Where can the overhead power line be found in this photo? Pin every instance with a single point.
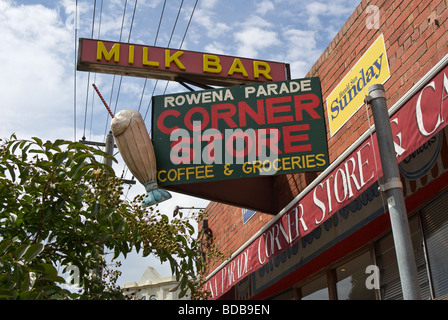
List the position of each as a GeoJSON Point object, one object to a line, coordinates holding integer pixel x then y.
{"type": "Point", "coordinates": [180, 47]}
{"type": "Point", "coordinates": [121, 77]}
{"type": "Point", "coordinates": [155, 42]}
{"type": "Point", "coordinates": [94, 78]}
{"type": "Point", "coordinates": [98, 25]}
{"type": "Point", "coordinates": [74, 79]}
{"type": "Point", "coordinates": [88, 76]}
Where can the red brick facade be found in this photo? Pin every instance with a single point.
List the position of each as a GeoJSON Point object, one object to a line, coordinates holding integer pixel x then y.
{"type": "Point", "coordinates": [415, 35]}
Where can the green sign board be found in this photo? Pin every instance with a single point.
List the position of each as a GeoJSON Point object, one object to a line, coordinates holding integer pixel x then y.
{"type": "Point", "coordinates": [239, 132]}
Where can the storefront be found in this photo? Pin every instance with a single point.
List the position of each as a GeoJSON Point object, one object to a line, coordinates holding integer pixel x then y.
{"type": "Point", "coordinates": [331, 238]}
{"type": "Point", "coordinates": [363, 265]}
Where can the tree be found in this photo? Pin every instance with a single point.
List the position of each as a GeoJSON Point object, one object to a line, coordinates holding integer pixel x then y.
{"type": "Point", "coordinates": [60, 205]}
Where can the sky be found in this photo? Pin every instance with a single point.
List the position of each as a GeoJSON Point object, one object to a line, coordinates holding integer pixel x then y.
{"type": "Point", "coordinates": [42, 95]}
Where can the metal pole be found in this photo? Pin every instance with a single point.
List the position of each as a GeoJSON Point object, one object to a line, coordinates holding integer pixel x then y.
{"type": "Point", "coordinates": [394, 192]}
{"type": "Point", "coordinates": [109, 148]}
{"type": "Point", "coordinates": [110, 143]}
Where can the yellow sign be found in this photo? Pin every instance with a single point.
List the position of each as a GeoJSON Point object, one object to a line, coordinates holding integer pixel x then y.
{"type": "Point", "coordinates": [349, 94]}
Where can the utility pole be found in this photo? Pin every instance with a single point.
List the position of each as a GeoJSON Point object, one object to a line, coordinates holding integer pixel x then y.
{"type": "Point", "coordinates": [394, 192]}
{"type": "Point", "coordinates": [109, 146]}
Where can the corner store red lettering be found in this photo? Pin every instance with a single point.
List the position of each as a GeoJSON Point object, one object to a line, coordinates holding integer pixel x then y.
{"type": "Point", "coordinates": [287, 109]}
{"type": "Point", "coordinates": [295, 140]}
{"type": "Point", "coordinates": [268, 112]}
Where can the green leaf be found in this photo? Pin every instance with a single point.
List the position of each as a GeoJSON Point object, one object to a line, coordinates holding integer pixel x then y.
{"type": "Point", "coordinates": [20, 251]}
{"type": "Point", "coordinates": [4, 245]}
{"type": "Point", "coordinates": [52, 277]}
{"type": "Point", "coordinates": [38, 141]}
{"type": "Point", "coordinates": [96, 209]}
{"type": "Point", "coordinates": [33, 251]}
{"type": "Point", "coordinates": [3, 278]}
{"type": "Point", "coordinates": [59, 158]}
{"type": "Point", "coordinates": [36, 151]}
{"type": "Point", "coordinates": [15, 146]}
{"type": "Point", "coordinates": [44, 268]}
{"type": "Point", "coordinates": [57, 143]}
{"type": "Point", "coordinates": [11, 171]}
{"type": "Point", "coordinates": [80, 157]}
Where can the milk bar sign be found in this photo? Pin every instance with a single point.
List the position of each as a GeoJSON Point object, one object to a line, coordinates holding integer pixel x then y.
{"type": "Point", "coordinates": [177, 65]}
{"type": "Point", "coordinates": [239, 132]}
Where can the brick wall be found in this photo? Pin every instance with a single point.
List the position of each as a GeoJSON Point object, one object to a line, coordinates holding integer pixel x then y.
{"type": "Point", "coordinates": [415, 34]}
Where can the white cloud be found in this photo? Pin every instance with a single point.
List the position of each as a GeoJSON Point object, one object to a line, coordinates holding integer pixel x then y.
{"type": "Point", "coordinates": [255, 34]}
{"type": "Point", "coordinates": [257, 21]}
{"type": "Point", "coordinates": [252, 39]}
{"type": "Point", "coordinates": [149, 3]}
{"type": "Point", "coordinates": [37, 71]}
{"type": "Point", "coordinates": [206, 18]}
{"type": "Point", "coordinates": [301, 50]}
{"type": "Point", "coordinates": [317, 8]}
{"type": "Point", "coordinates": [264, 7]}
{"type": "Point", "coordinates": [330, 12]}
{"type": "Point", "coordinates": [216, 47]}
{"type": "Point", "coordinates": [302, 40]}
{"type": "Point", "coordinates": [212, 28]}
{"type": "Point", "coordinates": [209, 4]}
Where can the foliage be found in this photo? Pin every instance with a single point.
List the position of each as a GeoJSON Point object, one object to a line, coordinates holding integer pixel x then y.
{"type": "Point", "coordinates": [61, 205]}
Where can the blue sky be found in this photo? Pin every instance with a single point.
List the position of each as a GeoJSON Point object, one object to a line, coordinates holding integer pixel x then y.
{"type": "Point", "coordinates": [38, 95]}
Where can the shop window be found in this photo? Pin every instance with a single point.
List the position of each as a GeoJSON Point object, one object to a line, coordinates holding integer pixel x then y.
{"type": "Point", "coordinates": [435, 229]}
{"type": "Point", "coordinates": [390, 284]}
{"type": "Point", "coordinates": [286, 295]}
{"type": "Point", "coordinates": [351, 279]}
{"type": "Point", "coordinates": [316, 290]}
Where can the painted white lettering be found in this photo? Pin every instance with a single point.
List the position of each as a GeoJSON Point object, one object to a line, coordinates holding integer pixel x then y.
{"type": "Point", "coordinates": [319, 203]}
{"type": "Point", "coordinates": [169, 101]}
{"type": "Point", "coordinates": [399, 150]}
{"type": "Point", "coordinates": [223, 277]}
{"type": "Point", "coordinates": [343, 184]}
{"type": "Point", "coordinates": [330, 206]}
{"type": "Point", "coordinates": [248, 91]}
{"type": "Point", "coordinates": [419, 113]}
{"type": "Point", "coordinates": [292, 224]}
{"type": "Point", "coordinates": [361, 164]}
{"type": "Point", "coordinates": [262, 238]}
{"type": "Point", "coordinates": [351, 176]}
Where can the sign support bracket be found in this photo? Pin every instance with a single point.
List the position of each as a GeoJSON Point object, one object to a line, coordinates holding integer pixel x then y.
{"type": "Point", "coordinates": [183, 81]}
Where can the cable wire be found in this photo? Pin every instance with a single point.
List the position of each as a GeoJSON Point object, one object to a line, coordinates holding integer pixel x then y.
{"type": "Point", "coordinates": [94, 78]}
{"type": "Point", "coordinates": [180, 47]}
{"type": "Point", "coordinates": [74, 80]}
{"type": "Point", "coordinates": [129, 39]}
{"type": "Point", "coordinates": [88, 76]}
{"type": "Point", "coordinates": [155, 41]}
{"type": "Point", "coordinates": [113, 79]}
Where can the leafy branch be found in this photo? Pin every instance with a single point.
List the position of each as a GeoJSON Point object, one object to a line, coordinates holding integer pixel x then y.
{"type": "Point", "coordinates": [61, 205]}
